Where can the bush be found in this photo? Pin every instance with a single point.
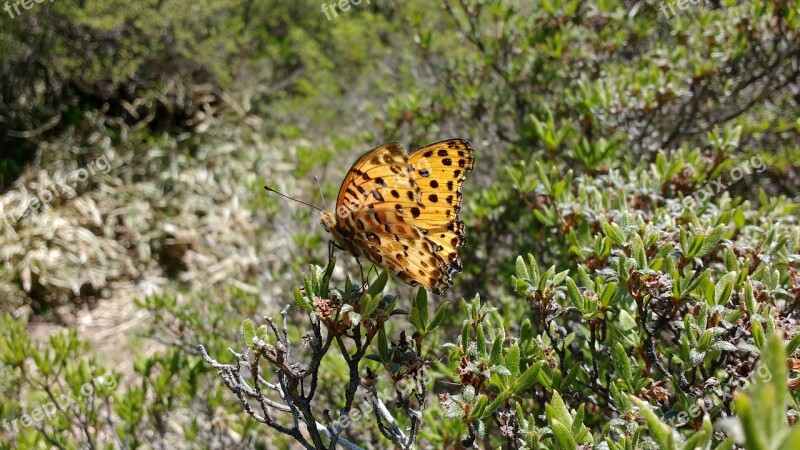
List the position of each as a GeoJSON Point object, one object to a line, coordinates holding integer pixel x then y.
{"type": "Point", "coordinates": [631, 279]}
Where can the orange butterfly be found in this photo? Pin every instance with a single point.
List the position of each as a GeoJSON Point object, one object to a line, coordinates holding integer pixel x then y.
{"type": "Point", "coordinates": [400, 211]}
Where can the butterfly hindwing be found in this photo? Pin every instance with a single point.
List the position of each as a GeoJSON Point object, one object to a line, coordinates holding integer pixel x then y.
{"type": "Point", "coordinates": [401, 211]}
{"type": "Point", "coordinates": [441, 169]}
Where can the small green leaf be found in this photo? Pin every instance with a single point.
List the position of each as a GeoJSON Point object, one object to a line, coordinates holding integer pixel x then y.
{"type": "Point", "coordinates": [563, 435]}
{"type": "Point", "coordinates": [661, 432]}
{"type": "Point", "coordinates": [497, 348]}
{"type": "Point", "coordinates": [248, 333]}
{"type": "Point", "coordinates": [480, 340]}
{"type": "Point", "coordinates": [377, 286]}
{"type": "Point", "coordinates": [383, 346]}
{"type": "Point", "coordinates": [438, 317]}
{"type": "Point", "coordinates": [556, 410]}
{"type": "Point", "coordinates": [711, 240]}
{"type": "Point", "coordinates": [301, 300]}
{"type": "Point", "coordinates": [522, 271]}
{"type": "Point", "coordinates": [608, 293]}
{"type": "Point", "coordinates": [263, 333]}
{"type": "Point", "coordinates": [512, 359]}
{"type": "Point", "coordinates": [637, 251]}
{"type": "Point", "coordinates": [421, 303]}
{"type": "Point", "coordinates": [749, 299]}
{"type": "Point", "coordinates": [575, 295]}
{"type": "Point", "coordinates": [528, 377]}
{"type": "Point", "coordinates": [792, 345]}
{"type": "Point", "coordinates": [723, 289]}
{"type": "Point", "coordinates": [478, 407]}
{"type": "Point", "coordinates": [758, 334]}
{"type": "Point", "coordinates": [369, 304]}
{"type": "Point", "coordinates": [622, 364]}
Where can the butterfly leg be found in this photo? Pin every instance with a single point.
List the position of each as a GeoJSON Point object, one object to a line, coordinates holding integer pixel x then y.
{"type": "Point", "coordinates": [361, 269]}
{"type": "Point", "coordinates": [332, 245]}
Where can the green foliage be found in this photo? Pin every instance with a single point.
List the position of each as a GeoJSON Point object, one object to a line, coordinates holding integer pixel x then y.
{"type": "Point", "coordinates": [631, 279]}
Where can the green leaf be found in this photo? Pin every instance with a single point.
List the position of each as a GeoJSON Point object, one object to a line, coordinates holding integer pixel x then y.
{"type": "Point", "coordinates": [497, 348]}
{"type": "Point", "coordinates": [731, 263]}
{"type": "Point", "coordinates": [711, 241]}
{"type": "Point", "coordinates": [560, 277]}
{"type": "Point", "coordinates": [421, 303]}
{"type": "Point", "coordinates": [723, 289]}
{"type": "Point", "coordinates": [528, 377]}
{"type": "Point", "coordinates": [522, 271]}
{"type": "Point", "coordinates": [622, 364]}
{"type": "Point", "coordinates": [301, 300]}
{"type": "Point", "coordinates": [608, 294]}
{"type": "Point", "coordinates": [727, 444]}
{"type": "Point", "coordinates": [248, 333]}
{"type": "Point", "coordinates": [369, 304]}
{"type": "Point", "coordinates": [465, 336]}
{"type": "Point", "coordinates": [637, 252]}
{"type": "Point", "coordinates": [753, 435]}
{"type": "Point", "coordinates": [661, 432]}
{"type": "Point", "coordinates": [512, 359]}
{"type": "Point", "coordinates": [383, 347]}
{"type": "Point", "coordinates": [556, 410]}
{"type": "Point", "coordinates": [377, 286]}
{"type": "Point", "coordinates": [263, 333]}
{"type": "Point", "coordinates": [563, 435]}
{"type": "Point", "coordinates": [575, 295]}
{"type": "Point", "coordinates": [749, 299]}
{"type": "Point", "coordinates": [614, 232]}
{"type": "Point", "coordinates": [480, 339]}
{"type": "Point", "coordinates": [501, 398]}
{"type": "Point", "coordinates": [326, 278]}
{"type": "Point", "coordinates": [758, 334]}
{"type": "Point", "coordinates": [702, 438]}
{"type": "Point", "coordinates": [533, 266]}
{"type": "Point", "coordinates": [438, 317]}
{"type": "Point", "coordinates": [723, 346]}
{"type": "Point", "coordinates": [792, 345]}
{"type": "Point", "coordinates": [771, 376]}
{"type": "Point", "coordinates": [478, 407]}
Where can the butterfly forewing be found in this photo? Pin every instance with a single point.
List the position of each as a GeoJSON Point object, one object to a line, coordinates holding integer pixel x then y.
{"type": "Point", "coordinates": [401, 211]}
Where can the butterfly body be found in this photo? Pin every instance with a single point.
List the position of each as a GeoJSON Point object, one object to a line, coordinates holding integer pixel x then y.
{"type": "Point", "coordinates": [400, 211]}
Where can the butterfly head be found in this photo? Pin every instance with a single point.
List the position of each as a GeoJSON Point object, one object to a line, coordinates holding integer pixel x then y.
{"type": "Point", "coordinates": [328, 221]}
{"type": "Point", "coordinates": [331, 225]}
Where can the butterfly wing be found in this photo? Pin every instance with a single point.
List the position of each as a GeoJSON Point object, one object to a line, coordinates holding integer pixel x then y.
{"type": "Point", "coordinates": [439, 172]}
{"type": "Point", "coordinates": [389, 210]}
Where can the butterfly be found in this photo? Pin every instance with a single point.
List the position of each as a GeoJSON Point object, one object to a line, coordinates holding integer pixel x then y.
{"type": "Point", "coordinates": [400, 211]}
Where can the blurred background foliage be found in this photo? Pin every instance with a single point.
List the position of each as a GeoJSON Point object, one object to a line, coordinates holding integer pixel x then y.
{"type": "Point", "coordinates": [592, 123]}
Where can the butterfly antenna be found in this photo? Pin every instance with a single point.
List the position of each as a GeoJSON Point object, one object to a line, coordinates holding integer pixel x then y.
{"type": "Point", "coordinates": [294, 199]}
{"type": "Point", "coordinates": [320, 191]}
